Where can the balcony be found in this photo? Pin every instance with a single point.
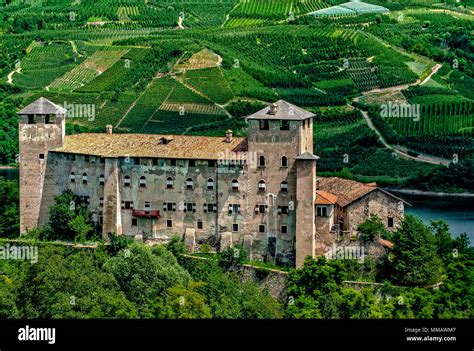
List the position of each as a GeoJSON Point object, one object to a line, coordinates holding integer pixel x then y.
{"type": "Point", "coordinates": [146, 213]}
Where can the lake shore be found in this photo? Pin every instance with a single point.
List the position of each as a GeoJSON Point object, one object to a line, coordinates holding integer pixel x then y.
{"type": "Point", "coordinates": [428, 193]}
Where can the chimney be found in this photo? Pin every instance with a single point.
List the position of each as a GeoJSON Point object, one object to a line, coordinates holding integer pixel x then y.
{"type": "Point", "coordinates": [108, 129]}
{"type": "Point", "coordinates": [273, 109]}
{"type": "Point", "coordinates": [228, 136]}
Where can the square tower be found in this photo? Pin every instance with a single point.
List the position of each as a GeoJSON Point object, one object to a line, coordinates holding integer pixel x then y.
{"type": "Point", "coordinates": [41, 128]}
{"type": "Point", "coordinates": [277, 135]}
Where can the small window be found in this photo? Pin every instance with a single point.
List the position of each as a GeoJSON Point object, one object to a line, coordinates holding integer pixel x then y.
{"type": "Point", "coordinates": [282, 210]}
{"type": "Point", "coordinates": [210, 184]}
{"type": "Point", "coordinates": [284, 161]}
{"type": "Point", "coordinates": [261, 228]}
{"type": "Point", "coordinates": [211, 163]}
{"type": "Point", "coordinates": [101, 179]}
{"type": "Point", "coordinates": [84, 178]}
{"type": "Point", "coordinates": [284, 125]}
{"type": "Point", "coordinates": [169, 223]}
{"type": "Point", "coordinates": [192, 163]}
{"type": "Point", "coordinates": [102, 160]}
{"type": "Point", "coordinates": [126, 181]}
{"type": "Point", "coordinates": [199, 225]}
{"type": "Point", "coordinates": [284, 229]}
{"type": "Point", "coordinates": [72, 177]}
{"type": "Point", "coordinates": [134, 222]}
{"type": "Point", "coordinates": [101, 202]}
{"type": "Point", "coordinates": [284, 187]}
{"type": "Point", "coordinates": [321, 211]}
{"type": "Point", "coordinates": [136, 160]}
{"type": "Point", "coordinates": [31, 119]}
{"type": "Point", "coordinates": [235, 227]}
{"type": "Point", "coordinates": [87, 158]}
{"type": "Point", "coordinates": [235, 185]}
{"type": "Point", "coordinates": [261, 161]}
{"type": "Point", "coordinates": [173, 162]}
{"type": "Point", "coordinates": [41, 156]}
{"type": "Point", "coordinates": [262, 208]}
{"type": "Point", "coordinates": [262, 186]}
{"type": "Point", "coordinates": [147, 206]}
{"type": "Point", "coordinates": [263, 124]}
{"type": "Point", "coordinates": [154, 162]}
{"type": "Point", "coordinates": [390, 222]}
{"type": "Point", "coordinates": [169, 183]}
{"type": "Point", "coordinates": [189, 184]}
{"type": "Point", "coordinates": [142, 182]}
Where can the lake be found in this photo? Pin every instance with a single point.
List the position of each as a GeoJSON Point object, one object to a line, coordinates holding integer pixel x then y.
{"type": "Point", "coordinates": [457, 212]}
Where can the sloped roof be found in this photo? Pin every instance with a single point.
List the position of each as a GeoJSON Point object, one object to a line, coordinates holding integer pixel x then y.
{"type": "Point", "coordinates": [307, 156]}
{"type": "Point", "coordinates": [283, 110]}
{"type": "Point", "coordinates": [42, 106]}
{"type": "Point", "coordinates": [151, 145]}
{"type": "Point", "coordinates": [325, 198]}
{"type": "Point", "coordinates": [347, 191]}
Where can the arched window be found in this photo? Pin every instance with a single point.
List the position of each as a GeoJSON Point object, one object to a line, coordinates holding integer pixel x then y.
{"type": "Point", "coordinates": [261, 161]}
{"type": "Point", "coordinates": [72, 177]}
{"type": "Point", "coordinates": [284, 161]}
{"type": "Point", "coordinates": [284, 187]}
{"type": "Point", "coordinates": [210, 184]}
{"type": "Point", "coordinates": [169, 183]}
{"type": "Point", "coordinates": [84, 178]}
{"type": "Point", "coordinates": [235, 184]}
{"type": "Point", "coordinates": [189, 184]}
{"type": "Point", "coordinates": [126, 181]}
{"type": "Point", "coordinates": [101, 179]}
{"type": "Point", "coordinates": [142, 182]}
{"type": "Point", "coordinates": [262, 186]}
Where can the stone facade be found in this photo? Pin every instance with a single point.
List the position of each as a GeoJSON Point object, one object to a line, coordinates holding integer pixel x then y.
{"type": "Point", "coordinates": [264, 200]}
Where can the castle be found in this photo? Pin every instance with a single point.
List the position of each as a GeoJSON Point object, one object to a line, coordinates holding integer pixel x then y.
{"type": "Point", "coordinates": [261, 191]}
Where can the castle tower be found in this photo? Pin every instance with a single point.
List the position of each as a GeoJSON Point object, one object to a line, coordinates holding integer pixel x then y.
{"type": "Point", "coordinates": [41, 128]}
{"type": "Point", "coordinates": [277, 136]}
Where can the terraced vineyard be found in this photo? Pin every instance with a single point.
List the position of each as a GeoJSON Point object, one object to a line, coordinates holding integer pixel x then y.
{"type": "Point", "coordinates": [168, 66]}
{"type": "Point", "coordinates": [94, 66]}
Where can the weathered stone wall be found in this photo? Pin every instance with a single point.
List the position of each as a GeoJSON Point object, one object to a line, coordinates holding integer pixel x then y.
{"type": "Point", "coordinates": [35, 140]}
{"type": "Point", "coordinates": [376, 202]}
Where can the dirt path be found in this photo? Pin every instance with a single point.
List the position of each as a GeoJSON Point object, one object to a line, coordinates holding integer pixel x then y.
{"type": "Point", "coordinates": [400, 150]}
{"type": "Point", "coordinates": [10, 75]}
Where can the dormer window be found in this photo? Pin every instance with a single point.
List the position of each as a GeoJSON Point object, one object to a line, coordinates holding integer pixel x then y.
{"type": "Point", "coordinates": [263, 124]}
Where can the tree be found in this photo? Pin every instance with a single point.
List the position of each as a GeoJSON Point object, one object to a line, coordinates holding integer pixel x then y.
{"type": "Point", "coordinates": [9, 212]}
{"type": "Point", "coordinates": [69, 218]}
{"type": "Point", "coordinates": [183, 302]}
{"type": "Point", "coordinates": [443, 240]}
{"type": "Point", "coordinates": [232, 257]}
{"type": "Point", "coordinates": [371, 229]}
{"type": "Point", "coordinates": [143, 273]}
{"type": "Point", "coordinates": [68, 284]}
{"type": "Point", "coordinates": [415, 262]}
